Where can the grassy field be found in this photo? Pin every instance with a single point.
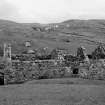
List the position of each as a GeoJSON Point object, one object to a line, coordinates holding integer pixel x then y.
{"type": "Point", "coordinates": [68, 91]}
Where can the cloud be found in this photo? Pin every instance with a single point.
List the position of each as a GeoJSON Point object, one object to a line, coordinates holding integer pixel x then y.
{"type": "Point", "coordinates": [46, 11]}
{"type": "Point", "coordinates": [7, 10]}
{"type": "Point", "coordinates": [88, 8]}
{"type": "Point", "coordinates": [41, 10]}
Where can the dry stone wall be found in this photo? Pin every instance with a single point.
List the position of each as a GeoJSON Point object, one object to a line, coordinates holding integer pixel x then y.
{"type": "Point", "coordinates": [94, 70]}
{"type": "Point", "coordinates": [21, 71]}
{"type": "Point", "coordinates": [18, 72]}
{"type": "Point", "coordinates": [97, 70]}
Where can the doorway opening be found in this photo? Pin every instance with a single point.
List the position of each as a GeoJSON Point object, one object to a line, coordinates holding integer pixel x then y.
{"type": "Point", "coordinates": [75, 71]}
{"type": "Point", "coordinates": [1, 78]}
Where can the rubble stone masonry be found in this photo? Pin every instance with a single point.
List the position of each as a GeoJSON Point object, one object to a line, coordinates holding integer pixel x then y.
{"type": "Point", "coordinates": [21, 71]}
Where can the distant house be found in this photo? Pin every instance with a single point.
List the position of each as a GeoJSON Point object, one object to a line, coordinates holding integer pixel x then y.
{"type": "Point", "coordinates": [28, 43]}
{"type": "Point", "coordinates": [30, 51]}
{"type": "Point", "coordinates": [67, 25]}
{"type": "Point", "coordinates": [38, 29]}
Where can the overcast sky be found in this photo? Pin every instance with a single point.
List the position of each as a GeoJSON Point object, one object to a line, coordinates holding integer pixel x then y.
{"type": "Point", "coordinates": [48, 11]}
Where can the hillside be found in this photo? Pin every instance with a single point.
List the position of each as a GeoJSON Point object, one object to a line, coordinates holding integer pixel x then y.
{"type": "Point", "coordinates": [68, 34]}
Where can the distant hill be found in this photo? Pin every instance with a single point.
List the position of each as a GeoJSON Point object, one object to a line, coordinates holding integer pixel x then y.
{"type": "Point", "coordinates": [68, 34]}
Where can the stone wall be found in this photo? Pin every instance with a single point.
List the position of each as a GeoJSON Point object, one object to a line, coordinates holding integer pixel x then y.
{"type": "Point", "coordinates": [97, 70]}
{"type": "Point", "coordinates": [94, 70]}
{"type": "Point", "coordinates": [19, 72]}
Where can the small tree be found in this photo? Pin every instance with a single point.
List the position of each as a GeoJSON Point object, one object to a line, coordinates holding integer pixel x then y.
{"type": "Point", "coordinates": [98, 53]}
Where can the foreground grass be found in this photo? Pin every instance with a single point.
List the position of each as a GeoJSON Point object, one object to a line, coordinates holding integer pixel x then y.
{"type": "Point", "coordinates": [54, 92]}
